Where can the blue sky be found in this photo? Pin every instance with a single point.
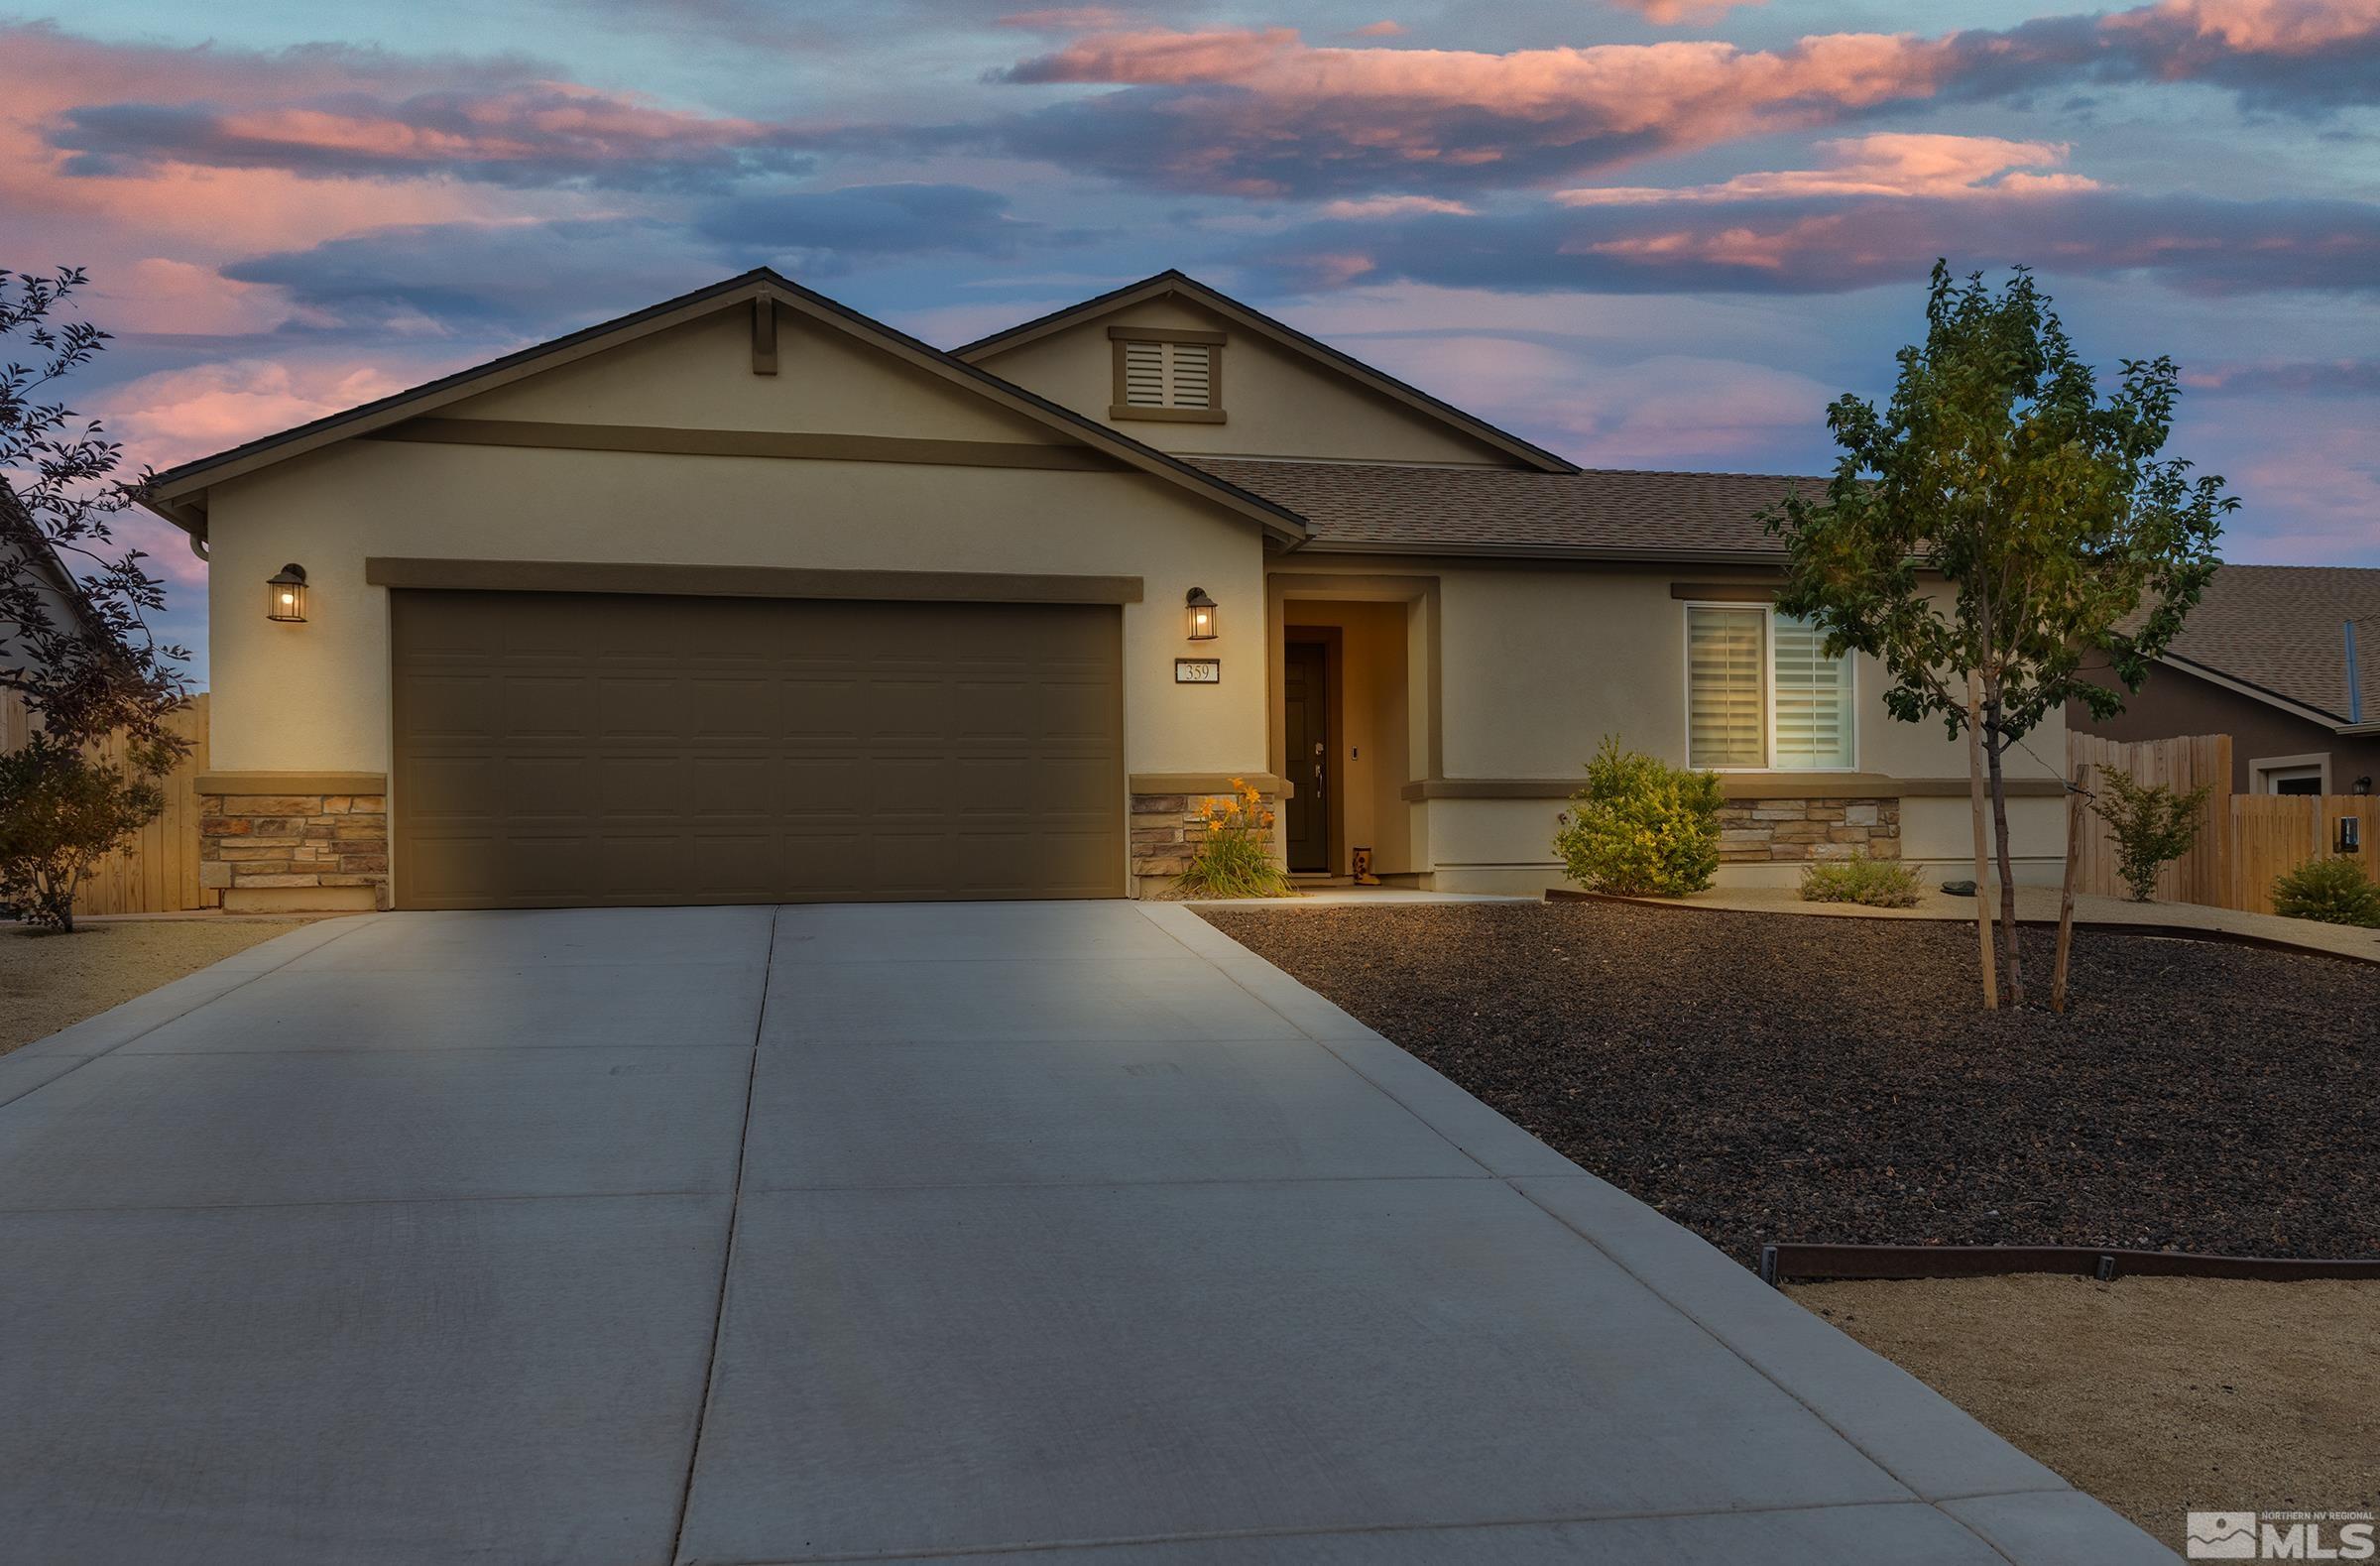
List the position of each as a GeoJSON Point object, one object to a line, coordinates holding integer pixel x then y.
{"type": "Point", "coordinates": [1647, 233]}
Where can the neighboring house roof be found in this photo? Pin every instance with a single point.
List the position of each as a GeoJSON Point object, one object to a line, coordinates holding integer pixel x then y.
{"type": "Point", "coordinates": [2277, 633]}
{"type": "Point", "coordinates": [1172, 282]}
{"type": "Point", "coordinates": [21, 539]}
{"type": "Point", "coordinates": [178, 494]}
{"type": "Point", "coordinates": [1596, 513]}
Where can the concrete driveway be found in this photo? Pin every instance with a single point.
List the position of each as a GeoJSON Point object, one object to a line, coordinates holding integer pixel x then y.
{"type": "Point", "coordinates": [752, 1235]}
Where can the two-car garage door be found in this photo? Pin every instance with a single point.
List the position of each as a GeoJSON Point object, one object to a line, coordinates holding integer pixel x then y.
{"type": "Point", "coordinates": [562, 749]}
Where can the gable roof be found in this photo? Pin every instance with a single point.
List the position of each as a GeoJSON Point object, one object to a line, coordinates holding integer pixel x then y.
{"type": "Point", "coordinates": [1591, 514]}
{"type": "Point", "coordinates": [2277, 633]}
{"type": "Point", "coordinates": [1174, 281]}
{"type": "Point", "coordinates": [179, 493]}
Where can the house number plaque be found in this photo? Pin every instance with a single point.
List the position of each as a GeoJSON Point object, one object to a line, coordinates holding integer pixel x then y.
{"type": "Point", "coordinates": [1198, 671]}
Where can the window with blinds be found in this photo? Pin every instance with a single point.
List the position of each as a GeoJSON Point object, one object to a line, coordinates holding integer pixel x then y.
{"type": "Point", "coordinates": [1760, 693]}
{"type": "Point", "coordinates": [1813, 699]}
{"type": "Point", "coordinates": [1727, 692]}
{"type": "Point", "coordinates": [1168, 374]}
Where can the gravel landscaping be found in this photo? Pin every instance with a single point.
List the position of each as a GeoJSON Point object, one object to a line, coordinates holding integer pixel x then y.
{"type": "Point", "coordinates": [49, 980]}
{"type": "Point", "coordinates": [1769, 1077]}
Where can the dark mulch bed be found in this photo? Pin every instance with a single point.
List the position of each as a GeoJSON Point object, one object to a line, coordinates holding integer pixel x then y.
{"type": "Point", "coordinates": [1765, 1077]}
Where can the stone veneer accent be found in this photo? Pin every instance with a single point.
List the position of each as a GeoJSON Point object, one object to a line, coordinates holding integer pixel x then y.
{"type": "Point", "coordinates": [1754, 831]}
{"type": "Point", "coordinates": [280, 841]}
{"type": "Point", "coordinates": [1165, 825]}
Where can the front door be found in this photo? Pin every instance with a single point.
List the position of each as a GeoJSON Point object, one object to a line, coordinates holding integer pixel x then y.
{"type": "Point", "coordinates": [1306, 755]}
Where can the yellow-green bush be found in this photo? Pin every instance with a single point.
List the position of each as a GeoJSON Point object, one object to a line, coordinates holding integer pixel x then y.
{"type": "Point", "coordinates": [1872, 883]}
{"type": "Point", "coordinates": [2334, 890]}
{"type": "Point", "coordinates": [1641, 828]}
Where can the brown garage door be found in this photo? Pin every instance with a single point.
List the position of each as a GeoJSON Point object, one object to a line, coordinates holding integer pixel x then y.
{"type": "Point", "coordinates": [565, 749]}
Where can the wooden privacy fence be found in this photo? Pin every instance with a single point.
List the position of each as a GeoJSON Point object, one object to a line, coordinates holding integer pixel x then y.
{"type": "Point", "coordinates": [2249, 839]}
{"type": "Point", "coordinates": [159, 872]}
{"type": "Point", "coordinates": [2204, 874]}
{"type": "Point", "coordinates": [2273, 833]}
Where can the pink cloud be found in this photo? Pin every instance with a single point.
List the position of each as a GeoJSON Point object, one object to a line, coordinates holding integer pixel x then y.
{"type": "Point", "coordinates": [1380, 28]}
{"type": "Point", "coordinates": [1889, 165]}
{"type": "Point", "coordinates": [2262, 26]}
{"type": "Point", "coordinates": [1262, 111]}
{"type": "Point", "coordinates": [1670, 12]}
{"type": "Point", "coordinates": [176, 414]}
{"type": "Point", "coordinates": [1394, 206]}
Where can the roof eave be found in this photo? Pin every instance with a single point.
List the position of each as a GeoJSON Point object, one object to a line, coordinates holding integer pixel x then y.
{"type": "Point", "coordinates": [1616, 554]}
{"type": "Point", "coordinates": [1174, 280]}
{"type": "Point", "coordinates": [179, 493]}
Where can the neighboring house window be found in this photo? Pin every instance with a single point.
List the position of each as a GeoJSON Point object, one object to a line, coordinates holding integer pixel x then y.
{"type": "Point", "coordinates": [1168, 375]}
{"type": "Point", "coordinates": [1762, 693]}
{"type": "Point", "coordinates": [2306, 774]}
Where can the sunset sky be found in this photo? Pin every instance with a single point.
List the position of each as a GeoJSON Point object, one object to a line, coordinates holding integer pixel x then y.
{"type": "Point", "coordinates": [1646, 233]}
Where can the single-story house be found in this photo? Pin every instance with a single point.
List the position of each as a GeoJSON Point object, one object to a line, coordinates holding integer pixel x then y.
{"type": "Point", "coordinates": [2281, 658]}
{"type": "Point", "coordinates": [748, 597]}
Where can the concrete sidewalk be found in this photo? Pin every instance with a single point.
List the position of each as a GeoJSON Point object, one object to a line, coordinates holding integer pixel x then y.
{"type": "Point", "coordinates": [752, 1235]}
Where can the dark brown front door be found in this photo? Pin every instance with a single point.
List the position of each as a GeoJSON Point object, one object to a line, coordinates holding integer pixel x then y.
{"type": "Point", "coordinates": [565, 749]}
{"type": "Point", "coordinates": [1306, 754]}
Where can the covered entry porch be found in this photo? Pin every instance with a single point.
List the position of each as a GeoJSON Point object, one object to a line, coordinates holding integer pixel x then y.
{"type": "Point", "coordinates": [1352, 718]}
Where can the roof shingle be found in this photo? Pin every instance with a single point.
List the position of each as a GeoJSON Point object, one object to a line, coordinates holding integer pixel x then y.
{"type": "Point", "coordinates": [1600, 513]}
{"type": "Point", "coordinates": [2281, 628]}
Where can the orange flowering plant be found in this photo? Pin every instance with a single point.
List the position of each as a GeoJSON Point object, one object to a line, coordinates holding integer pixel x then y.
{"type": "Point", "coordinates": [1231, 853]}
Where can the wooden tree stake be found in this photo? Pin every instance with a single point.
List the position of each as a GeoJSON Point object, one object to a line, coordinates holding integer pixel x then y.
{"type": "Point", "coordinates": [1975, 779]}
{"type": "Point", "coordinates": [2077, 794]}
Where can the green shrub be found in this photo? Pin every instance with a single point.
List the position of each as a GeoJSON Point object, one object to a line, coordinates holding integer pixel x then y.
{"type": "Point", "coordinates": [2334, 890]}
{"type": "Point", "coordinates": [2152, 826]}
{"type": "Point", "coordinates": [1874, 883]}
{"type": "Point", "coordinates": [1641, 828]}
{"type": "Point", "coordinates": [1233, 857]}
{"type": "Point", "coordinates": [60, 814]}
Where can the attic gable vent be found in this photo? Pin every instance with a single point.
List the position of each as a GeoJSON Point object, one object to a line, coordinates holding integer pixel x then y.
{"type": "Point", "coordinates": [1167, 375]}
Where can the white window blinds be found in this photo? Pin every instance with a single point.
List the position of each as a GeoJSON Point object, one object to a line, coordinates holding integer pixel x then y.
{"type": "Point", "coordinates": [1814, 700]}
{"type": "Point", "coordinates": [1760, 693]}
{"type": "Point", "coordinates": [1727, 699]}
{"type": "Point", "coordinates": [1168, 375]}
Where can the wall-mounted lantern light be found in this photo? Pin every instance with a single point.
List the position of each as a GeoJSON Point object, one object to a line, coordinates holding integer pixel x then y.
{"type": "Point", "coordinates": [287, 594]}
{"type": "Point", "coordinates": [1201, 615]}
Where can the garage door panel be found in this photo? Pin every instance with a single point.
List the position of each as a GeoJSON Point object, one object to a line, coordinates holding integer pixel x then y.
{"type": "Point", "coordinates": [560, 749]}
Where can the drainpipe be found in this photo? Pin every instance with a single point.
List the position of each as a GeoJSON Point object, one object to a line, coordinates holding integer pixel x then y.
{"type": "Point", "coordinates": [2354, 685]}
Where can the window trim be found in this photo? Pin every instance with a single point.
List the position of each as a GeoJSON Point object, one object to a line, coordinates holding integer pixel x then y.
{"type": "Point", "coordinates": [2262, 768]}
{"type": "Point", "coordinates": [1768, 690]}
{"type": "Point", "coordinates": [1120, 337]}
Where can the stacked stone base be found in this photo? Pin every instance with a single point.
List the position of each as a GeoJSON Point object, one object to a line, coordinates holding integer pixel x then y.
{"type": "Point", "coordinates": [1766, 831]}
{"type": "Point", "coordinates": [1165, 826]}
{"type": "Point", "coordinates": [272, 852]}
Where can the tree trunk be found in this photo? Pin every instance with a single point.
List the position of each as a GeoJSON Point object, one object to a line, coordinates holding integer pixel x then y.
{"type": "Point", "coordinates": [1974, 795]}
{"type": "Point", "coordinates": [2065, 898]}
{"type": "Point", "coordinates": [2000, 827]}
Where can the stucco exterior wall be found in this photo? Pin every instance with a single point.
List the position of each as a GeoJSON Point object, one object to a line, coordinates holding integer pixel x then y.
{"type": "Point", "coordinates": [1277, 402]}
{"type": "Point", "coordinates": [315, 697]}
{"type": "Point", "coordinates": [2175, 703]}
{"type": "Point", "coordinates": [1539, 661]}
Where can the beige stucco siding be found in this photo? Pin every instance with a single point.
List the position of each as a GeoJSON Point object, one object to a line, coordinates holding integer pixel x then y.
{"type": "Point", "coordinates": [699, 375]}
{"type": "Point", "coordinates": [315, 696]}
{"type": "Point", "coordinates": [1537, 663]}
{"type": "Point", "coordinates": [1277, 402]}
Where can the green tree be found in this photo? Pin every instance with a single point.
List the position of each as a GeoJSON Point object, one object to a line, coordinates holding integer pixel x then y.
{"type": "Point", "coordinates": [2003, 518]}
{"type": "Point", "coordinates": [76, 641]}
{"type": "Point", "coordinates": [2152, 825]}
